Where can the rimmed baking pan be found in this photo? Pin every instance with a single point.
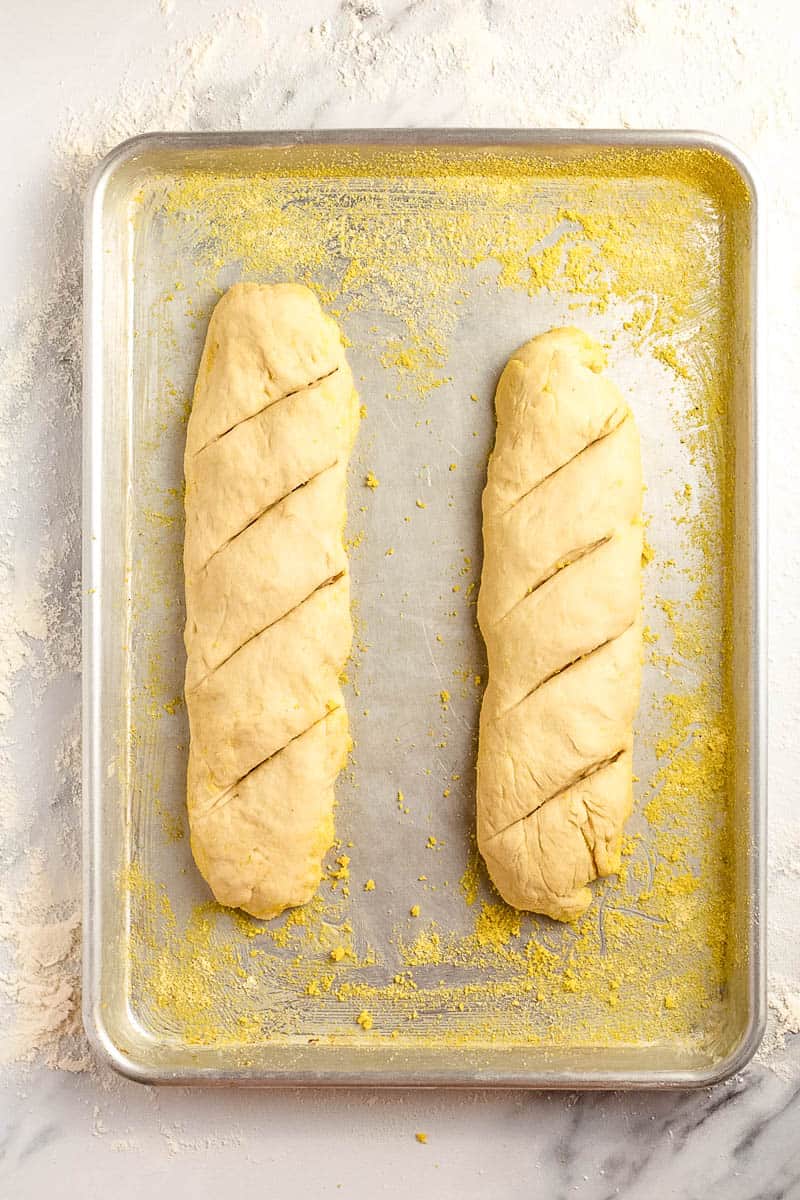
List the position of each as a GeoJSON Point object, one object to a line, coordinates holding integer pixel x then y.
{"type": "Point", "coordinates": [439, 252]}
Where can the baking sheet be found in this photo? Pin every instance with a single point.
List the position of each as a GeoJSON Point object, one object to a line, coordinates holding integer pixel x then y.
{"type": "Point", "coordinates": [438, 259]}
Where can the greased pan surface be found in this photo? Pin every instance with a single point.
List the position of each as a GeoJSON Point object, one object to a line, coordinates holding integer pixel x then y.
{"type": "Point", "coordinates": [439, 253]}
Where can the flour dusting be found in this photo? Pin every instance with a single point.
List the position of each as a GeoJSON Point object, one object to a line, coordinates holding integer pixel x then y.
{"type": "Point", "coordinates": [43, 988]}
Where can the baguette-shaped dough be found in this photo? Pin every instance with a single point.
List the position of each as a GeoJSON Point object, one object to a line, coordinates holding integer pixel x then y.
{"type": "Point", "coordinates": [560, 612]}
{"type": "Point", "coordinates": [268, 623]}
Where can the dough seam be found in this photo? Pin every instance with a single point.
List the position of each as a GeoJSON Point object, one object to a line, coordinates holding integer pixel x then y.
{"type": "Point", "coordinates": [306, 387]}
{"type": "Point", "coordinates": [589, 845]}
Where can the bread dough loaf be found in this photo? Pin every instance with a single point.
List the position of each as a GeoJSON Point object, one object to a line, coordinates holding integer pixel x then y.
{"type": "Point", "coordinates": [560, 612]}
{"type": "Point", "coordinates": [268, 623]}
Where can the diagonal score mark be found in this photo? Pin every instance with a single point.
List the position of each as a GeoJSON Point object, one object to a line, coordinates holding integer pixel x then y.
{"type": "Point", "coordinates": [566, 560]}
{"type": "Point", "coordinates": [227, 795]}
{"type": "Point", "coordinates": [268, 508]}
{"type": "Point", "coordinates": [594, 769]}
{"type": "Point", "coordinates": [307, 387]}
{"type": "Point", "coordinates": [600, 438]}
{"type": "Point", "coordinates": [561, 670]}
{"type": "Point", "coordinates": [325, 583]}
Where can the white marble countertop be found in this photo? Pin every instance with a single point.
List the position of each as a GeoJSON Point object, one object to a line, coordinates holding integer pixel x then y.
{"type": "Point", "coordinates": [78, 77]}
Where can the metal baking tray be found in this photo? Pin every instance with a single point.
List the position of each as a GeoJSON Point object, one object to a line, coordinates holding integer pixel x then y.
{"type": "Point", "coordinates": [439, 252]}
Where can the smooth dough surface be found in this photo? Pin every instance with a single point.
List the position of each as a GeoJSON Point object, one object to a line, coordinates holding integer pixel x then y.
{"type": "Point", "coordinates": [268, 625]}
{"type": "Point", "coordinates": [560, 612]}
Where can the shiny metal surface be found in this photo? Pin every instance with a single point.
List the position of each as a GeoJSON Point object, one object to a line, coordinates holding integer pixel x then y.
{"type": "Point", "coordinates": [119, 287]}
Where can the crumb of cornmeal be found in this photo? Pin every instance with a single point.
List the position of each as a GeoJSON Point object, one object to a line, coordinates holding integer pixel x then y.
{"type": "Point", "coordinates": [341, 872]}
{"type": "Point", "coordinates": [362, 412]}
{"type": "Point", "coordinates": [371, 481]}
{"type": "Point", "coordinates": [453, 466]}
{"type": "Point", "coordinates": [369, 886]}
{"type": "Point", "coordinates": [414, 910]}
{"type": "Point", "coordinates": [421, 1138]}
{"type": "Point", "coordinates": [338, 953]}
{"type": "Point", "coordinates": [421, 504]}
{"type": "Point", "coordinates": [364, 1019]}
{"type": "Point", "coordinates": [444, 696]}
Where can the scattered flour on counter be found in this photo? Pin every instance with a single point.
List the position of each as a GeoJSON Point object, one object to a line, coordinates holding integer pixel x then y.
{"type": "Point", "coordinates": [43, 986]}
{"type": "Point", "coordinates": [784, 1016]}
{"type": "Point", "coordinates": [22, 623]}
{"type": "Point", "coordinates": [374, 63]}
{"type": "Point", "coordinates": [178, 1141]}
{"type": "Point", "coordinates": [783, 985]}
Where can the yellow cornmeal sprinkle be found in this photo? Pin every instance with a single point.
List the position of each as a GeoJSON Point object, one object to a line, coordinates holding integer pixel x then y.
{"type": "Point", "coordinates": [651, 957]}
{"type": "Point", "coordinates": [497, 924]}
{"type": "Point", "coordinates": [470, 880]}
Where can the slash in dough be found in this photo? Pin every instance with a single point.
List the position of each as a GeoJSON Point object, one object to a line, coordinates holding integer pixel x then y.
{"type": "Point", "coordinates": [560, 612]}
{"type": "Point", "coordinates": [268, 623]}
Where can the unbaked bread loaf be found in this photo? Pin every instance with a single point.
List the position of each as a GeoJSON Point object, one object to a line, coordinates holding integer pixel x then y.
{"type": "Point", "coordinates": [559, 608]}
{"type": "Point", "coordinates": [268, 624]}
